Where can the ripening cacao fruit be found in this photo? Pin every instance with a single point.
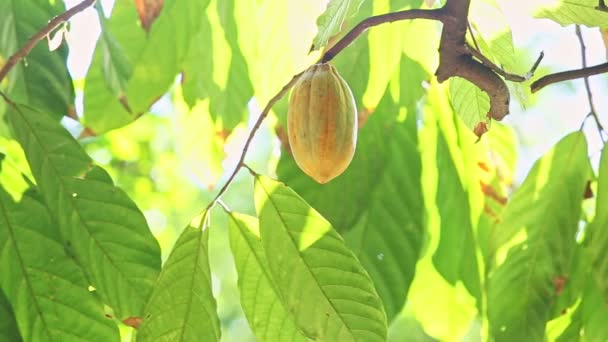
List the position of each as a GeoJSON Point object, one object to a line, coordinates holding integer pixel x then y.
{"type": "Point", "coordinates": [322, 123]}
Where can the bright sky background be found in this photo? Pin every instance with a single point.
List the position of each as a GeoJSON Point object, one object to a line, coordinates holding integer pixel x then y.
{"type": "Point", "coordinates": [560, 109]}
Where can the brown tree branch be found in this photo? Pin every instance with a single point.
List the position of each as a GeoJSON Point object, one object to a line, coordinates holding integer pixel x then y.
{"type": "Point", "coordinates": [31, 43]}
{"type": "Point", "coordinates": [506, 75]}
{"type": "Point", "coordinates": [455, 60]}
{"type": "Point", "coordinates": [431, 14]}
{"type": "Point", "coordinates": [454, 56]}
{"type": "Point", "coordinates": [592, 111]}
{"type": "Point", "coordinates": [568, 75]}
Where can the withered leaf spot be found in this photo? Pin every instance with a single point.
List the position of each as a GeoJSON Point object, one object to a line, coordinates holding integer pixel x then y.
{"type": "Point", "coordinates": [480, 129]}
{"type": "Point", "coordinates": [148, 11]}
{"type": "Point", "coordinates": [133, 322]}
{"type": "Point", "coordinates": [363, 115]}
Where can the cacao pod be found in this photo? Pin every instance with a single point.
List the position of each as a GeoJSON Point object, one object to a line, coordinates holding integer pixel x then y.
{"type": "Point", "coordinates": [322, 123]}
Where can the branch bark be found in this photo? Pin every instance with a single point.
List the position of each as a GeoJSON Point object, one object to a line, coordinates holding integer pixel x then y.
{"type": "Point", "coordinates": [40, 35]}
{"type": "Point", "coordinates": [568, 75]}
{"type": "Point", "coordinates": [455, 58]}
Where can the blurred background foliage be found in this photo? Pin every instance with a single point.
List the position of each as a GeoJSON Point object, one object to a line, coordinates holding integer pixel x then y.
{"type": "Point", "coordinates": [172, 158]}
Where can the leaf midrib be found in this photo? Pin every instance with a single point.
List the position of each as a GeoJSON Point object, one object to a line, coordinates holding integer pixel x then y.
{"type": "Point", "coordinates": [73, 204]}
{"type": "Point", "coordinates": [304, 260]}
{"type": "Point", "coordinates": [536, 246]}
{"type": "Point", "coordinates": [23, 269]}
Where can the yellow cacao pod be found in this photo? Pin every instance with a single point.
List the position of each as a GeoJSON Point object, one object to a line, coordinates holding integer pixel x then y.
{"type": "Point", "coordinates": [322, 123]}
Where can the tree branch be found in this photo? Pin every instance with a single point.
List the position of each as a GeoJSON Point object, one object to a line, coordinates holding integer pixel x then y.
{"type": "Point", "coordinates": [506, 75]}
{"type": "Point", "coordinates": [568, 75]}
{"type": "Point", "coordinates": [256, 126]}
{"type": "Point", "coordinates": [31, 43]}
{"type": "Point", "coordinates": [592, 111]}
{"type": "Point", "coordinates": [456, 60]}
{"type": "Point", "coordinates": [454, 57]}
{"type": "Point", "coordinates": [431, 14]}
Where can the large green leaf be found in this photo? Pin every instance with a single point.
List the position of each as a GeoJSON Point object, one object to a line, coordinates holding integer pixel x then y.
{"type": "Point", "coordinates": [182, 307]}
{"type": "Point", "coordinates": [13, 167]}
{"type": "Point", "coordinates": [386, 46]}
{"type": "Point", "coordinates": [8, 325]}
{"type": "Point", "coordinates": [380, 194]}
{"type": "Point", "coordinates": [455, 255]}
{"type": "Point", "coordinates": [42, 78]}
{"type": "Point", "coordinates": [132, 69]}
{"type": "Point", "coordinates": [588, 321]}
{"type": "Point", "coordinates": [598, 229]}
{"type": "Point", "coordinates": [594, 311]}
{"type": "Point", "coordinates": [229, 101]}
{"type": "Point", "coordinates": [100, 225]}
{"type": "Point", "coordinates": [330, 22]}
{"type": "Point", "coordinates": [47, 290]}
{"type": "Point", "coordinates": [450, 183]}
{"type": "Point", "coordinates": [567, 12]}
{"type": "Point", "coordinates": [522, 290]}
{"type": "Point", "coordinates": [319, 279]}
{"type": "Point", "coordinates": [268, 318]}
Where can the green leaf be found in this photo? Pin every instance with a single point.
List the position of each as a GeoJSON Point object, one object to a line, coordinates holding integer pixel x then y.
{"type": "Point", "coordinates": [13, 168]}
{"type": "Point", "coordinates": [450, 183]}
{"type": "Point", "coordinates": [567, 12]}
{"type": "Point", "coordinates": [455, 256]}
{"type": "Point", "coordinates": [330, 22]}
{"type": "Point", "coordinates": [116, 65]}
{"type": "Point", "coordinates": [319, 279]}
{"type": "Point", "coordinates": [547, 206]}
{"type": "Point", "coordinates": [588, 321]}
{"type": "Point", "coordinates": [132, 69]}
{"type": "Point", "coordinates": [268, 318]}
{"type": "Point", "coordinates": [45, 287]}
{"type": "Point", "coordinates": [102, 227]}
{"type": "Point", "coordinates": [198, 66]}
{"type": "Point", "coordinates": [593, 314]}
{"type": "Point", "coordinates": [182, 307]}
{"type": "Point", "coordinates": [470, 103]}
{"type": "Point", "coordinates": [229, 103]}
{"type": "Point", "coordinates": [597, 229]}
{"type": "Point", "coordinates": [492, 33]}
{"type": "Point", "coordinates": [383, 195]}
{"type": "Point", "coordinates": [42, 78]}
{"type": "Point", "coordinates": [8, 325]}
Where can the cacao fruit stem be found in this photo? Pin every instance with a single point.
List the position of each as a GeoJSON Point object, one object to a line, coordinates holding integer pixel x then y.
{"type": "Point", "coordinates": [38, 36]}
{"type": "Point", "coordinates": [256, 126]}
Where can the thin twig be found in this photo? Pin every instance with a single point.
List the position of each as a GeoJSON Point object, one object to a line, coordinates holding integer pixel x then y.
{"type": "Point", "coordinates": [6, 99]}
{"type": "Point", "coordinates": [431, 14]}
{"type": "Point", "coordinates": [473, 36]}
{"type": "Point", "coordinates": [568, 75]}
{"type": "Point", "coordinates": [40, 35]}
{"type": "Point", "coordinates": [255, 128]}
{"type": "Point", "coordinates": [592, 111]}
{"type": "Point", "coordinates": [506, 75]}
